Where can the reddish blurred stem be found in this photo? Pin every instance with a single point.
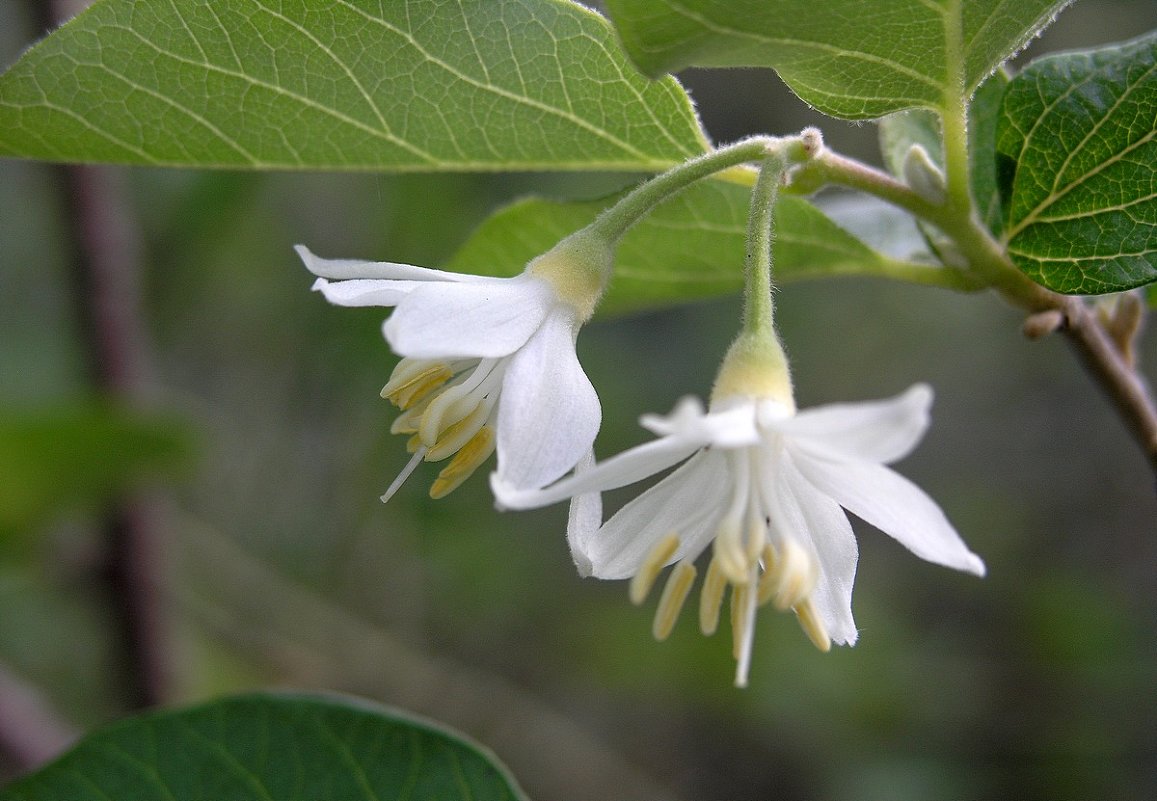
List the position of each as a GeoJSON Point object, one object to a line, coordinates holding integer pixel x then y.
{"type": "Point", "coordinates": [106, 261]}
{"type": "Point", "coordinates": [30, 732]}
{"type": "Point", "coordinates": [103, 247]}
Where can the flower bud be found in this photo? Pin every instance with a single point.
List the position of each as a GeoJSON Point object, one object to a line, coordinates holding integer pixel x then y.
{"type": "Point", "coordinates": [922, 174]}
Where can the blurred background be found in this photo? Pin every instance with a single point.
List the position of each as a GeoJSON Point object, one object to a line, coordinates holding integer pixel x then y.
{"type": "Point", "coordinates": [192, 446]}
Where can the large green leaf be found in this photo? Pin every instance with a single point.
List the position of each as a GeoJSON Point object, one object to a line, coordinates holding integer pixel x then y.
{"type": "Point", "coordinates": [1077, 166]}
{"type": "Point", "coordinates": [271, 748]}
{"type": "Point", "coordinates": [857, 59]}
{"type": "Point", "coordinates": [689, 248]}
{"type": "Point", "coordinates": [349, 84]}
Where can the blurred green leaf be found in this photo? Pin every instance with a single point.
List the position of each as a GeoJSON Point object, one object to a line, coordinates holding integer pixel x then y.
{"type": "Point", "coordinates": [271, 748]}
{"type": "Point", "coordinates": [53, 460]}
{"type": "Point", "coordinates": [856, 59]}
{"type": "Point", "coordinates": [1077, 165]}
{"type": "Point", "coordinates": [688, 249]}
{"type": "Point", "coordinates": [356, 84]}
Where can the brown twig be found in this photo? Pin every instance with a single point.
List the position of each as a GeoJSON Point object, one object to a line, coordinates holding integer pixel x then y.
{"type": "Point", "coordinates": [1112, 369]}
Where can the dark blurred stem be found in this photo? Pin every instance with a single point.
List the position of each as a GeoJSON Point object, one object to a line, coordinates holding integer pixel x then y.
{"type": "Point", "coordinates": [30, 732]}
{"type": "Point", "coordinates": [105, 256]}
{"type": "Point", "coordinates": [103, 248]}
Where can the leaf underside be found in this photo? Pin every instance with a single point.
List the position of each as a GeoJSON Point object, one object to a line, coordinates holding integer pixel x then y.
{"type": "Point", "coordinates": [856, 60]}
{"type": "Point", "coordinates": [421, 85]}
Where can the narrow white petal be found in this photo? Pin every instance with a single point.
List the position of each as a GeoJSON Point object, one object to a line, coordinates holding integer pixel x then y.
{"type": "Point", "coordinates": [827, 527]}
{"type": "Point", "coordinates": [618, 471]}
{"type": "Point", "coordinates": [364, 291]}
{"type": "Point", "coordinates": [728, 428]}
{"type": "Point", "coordinates": [876, 431]}
{"type": "Point", "coordinates": [894, 505]}
{"type": "Point", "coordinates": [484, 319]}
{"type": "Point", "coordinates": [689, 502]}
{"type": "Point", "coordinates": [341, 269]}
{"type": "Point", "coordinates": [548, 413]}
{"type": "Point", "coordinates": [584, 518]}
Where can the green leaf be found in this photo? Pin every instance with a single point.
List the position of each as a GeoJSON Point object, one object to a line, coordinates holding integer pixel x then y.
{"type": "Point", "coordinates": [352, 84]}
{"type": "Point", "coordinates": [1077, 160]}
{"type": "Point", "coordinates": [56, 459]}
{"type": "Point", "coordinates": [688, 249]}
{"type": "Point", "coordinates": [857, 59]}
{"type": "Point", "coordinates": [983, 115]}
{"type": "Point", "coordinates": [271, 748]}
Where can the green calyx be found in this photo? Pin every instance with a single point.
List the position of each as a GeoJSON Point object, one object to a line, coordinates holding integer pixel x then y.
{"type": "Point", "coordinates": [579, 268]}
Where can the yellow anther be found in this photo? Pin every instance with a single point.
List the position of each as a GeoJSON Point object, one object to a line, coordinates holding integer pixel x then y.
{"type": "Point", "coordinates": [796, 575]}
{"type": "Point", "coordinates": [809, 621]}
{"type": "Point", "coordinates": [406, 422]}
{"type": "Point", "coordinates": [739, 618]}
{"type": "Point", "coordinates": [729, 551]}
{"type": "Point", "coordinates": [464, 463]}
{"type": "Point", "coordinates": [671, 602]}
{"type": "Point", "coordinates": [413, 444]}
{"type": "Point", "coordinates": [414, 380]}
{"type": "Point", "coordinates": [656, 560]}
{"type": "Point", "coordinates": [711, 598]}
{"type": "Point", "coordinates": [457, 435]}
{"type": "Point", "coordinates": [769, 581]}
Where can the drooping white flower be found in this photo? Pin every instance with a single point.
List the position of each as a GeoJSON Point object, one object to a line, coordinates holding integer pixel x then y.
{"type": "Point", "coordinates": [767, 487]}
{"type": "Point", "coordinates": [489, 363]}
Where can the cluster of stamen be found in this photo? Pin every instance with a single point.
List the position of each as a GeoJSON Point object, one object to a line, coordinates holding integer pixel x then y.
{"type": "Point", "coordinates": [745, 559]}
{"type": "Point", "coordinates": [448, 410]}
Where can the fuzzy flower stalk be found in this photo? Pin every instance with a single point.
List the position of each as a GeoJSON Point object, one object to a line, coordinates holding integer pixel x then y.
{"type": "Point", "coordinates": [761, 485]}
{"type": "Point", "coordinates": [489, 363]}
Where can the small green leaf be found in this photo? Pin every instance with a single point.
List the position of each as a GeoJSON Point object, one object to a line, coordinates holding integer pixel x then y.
{"type": "Point", "coordinates": [271, 748]}
{"type": "Point", "coordinates": [352, 84]}
{"type": "Point", "coordinates": [1077, 166]}
{"type": "Point", "coordinates": [53, 460]}
{"type": "Point", "coordinates": [857, 59]}
{"type": "Point", "coordinates": [688, 249]}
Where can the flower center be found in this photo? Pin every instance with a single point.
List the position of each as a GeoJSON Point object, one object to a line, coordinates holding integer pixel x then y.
{"type": "Point", "coordinates": [759, 563]}
{"type": "Point", "coordinates": [448, 409]}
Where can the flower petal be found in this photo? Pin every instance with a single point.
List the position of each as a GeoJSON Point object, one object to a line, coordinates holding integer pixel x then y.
{"type": "Point", "coordinates": [688, 502]}
{"type": "Point", "coordinates": [340, 269]}
{"type": "Point", "coordinates": [729, 428]}
{"type": "Point", "coordinates": [876, 431]}
{"type": "Point", "coordinates": [830, 533]}
{"type": "Point", "coordinates": [618, 471]}
{"type": "Point", "coordinates": [365, 291]}
{"type": "Point", "coordinates": [484, 319]}
{"type": "Point", "coordinates": [584, 518]}
{"type": "Point", "coordinates": [894, 505]}
{"type": "Point", "coordinates": [548, 413]}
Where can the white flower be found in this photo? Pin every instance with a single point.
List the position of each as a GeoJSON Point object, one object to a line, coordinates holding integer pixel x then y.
{"type": "Point", "coordinates": [489, 362]}
{"type": "Point", "coordinates": [769, 487]}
